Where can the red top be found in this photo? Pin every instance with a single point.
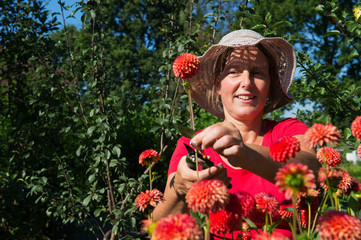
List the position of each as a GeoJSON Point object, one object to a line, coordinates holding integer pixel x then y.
{"type": "Point", "coordinates": [243, 180]}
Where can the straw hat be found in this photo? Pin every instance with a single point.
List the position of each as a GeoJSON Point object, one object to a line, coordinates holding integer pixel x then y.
{"type": "Point", "coordinates": [282, 53]}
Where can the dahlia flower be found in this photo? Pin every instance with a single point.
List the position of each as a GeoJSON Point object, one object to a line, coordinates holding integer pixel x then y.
{"type": "Point", "coordinates": [359, 150]}
{"type": "Point", "coordinates": [284, 148]}
{"type": "Point", "coordinates": [356, 128]}
{"type": "Point", "coordinates": [284, 212]}
{"type": "Point", "coordinates": [246, 204]}
{"type": "Point", "coordinates": [295, 178]}
{"type": "Point", "coordinates": [319, 134]}
{"type": "Point", "coordinates": [148, 197]}
{"type": "Point", "coordinates": [331, 156]}
{"type": "Point", "coordinates": [355, 187]}
{"type": "Point", "coordinates": [148, 157]}
{"type": "Point", "coordinates": [207, 195]}
{"type": "Point", "coordinates": [177, 227]}
{"type": "Point", "coordinates": [186, 66]}
{"type": "Point", "coordinates": [266, 203]}
{"type": "Point", "coordinates": [270, 236]}
{"type": "Point", "coordinates": [337, 179]}
{"type": "Point", "coordinates": [226, 220]}
{"type": "Point", "coordinates": [338, 225]}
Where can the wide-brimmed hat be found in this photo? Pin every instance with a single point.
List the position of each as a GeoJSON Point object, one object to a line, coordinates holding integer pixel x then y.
{"type": "Point", "coordinates": [204, 84]}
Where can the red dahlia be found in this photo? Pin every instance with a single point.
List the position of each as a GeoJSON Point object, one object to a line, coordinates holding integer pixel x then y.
{"type": "Point", "coordinates": [359, 150]}
{"type": "Point", "coordinates": [339, 225]}
{"type": "Point", "coordinates": [148, 157]}
{"type": "Point", "coordinates": [207, 195]}
{"type": "Point", "coordinates": [186, 66]}
{"type": "Point", "coordinates": [148, 197]}
{"type": "Point", "coordinates": [178, 227]}
{"type": "Point", "coordinates": [271, 236]}
{"type": "Point", "coordinates": [319, 134]}
{"type": "Point", "coordinates": [356, 128]}
{"type": "Point", "coordinates": [331, 156]}
{"type": "Point", "coordinates": [266, 203]}
{"type": "Point", "coordinates": [284, 148]}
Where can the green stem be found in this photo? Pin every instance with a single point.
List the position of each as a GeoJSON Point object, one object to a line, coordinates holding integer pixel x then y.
{"type": "Point", "coordinates": [309, 219]}
{"type": "Point", "coordinates": [320, 207]}
{"type": "Point", "coordinates": [150, 176]}
{"type": "Point", "coordinates": [207, 235]}
{"type": "Point", "coordinates": [295, 220]}
{"type": "Point", "coordinates": [190, 107]}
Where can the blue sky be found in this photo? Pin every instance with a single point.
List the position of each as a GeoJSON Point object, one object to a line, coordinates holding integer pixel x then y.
{"type": "Point", "coordinates": [53, 6]}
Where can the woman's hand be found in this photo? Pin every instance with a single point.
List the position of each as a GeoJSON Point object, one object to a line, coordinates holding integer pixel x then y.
{"type": "Point", "coordinates": [185, 177]}
{"type": "Point", "coordinates": [224, 138]}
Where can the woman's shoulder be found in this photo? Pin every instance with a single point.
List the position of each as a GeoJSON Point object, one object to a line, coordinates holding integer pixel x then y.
{"type": "Point", "coordinates": [285, 127]}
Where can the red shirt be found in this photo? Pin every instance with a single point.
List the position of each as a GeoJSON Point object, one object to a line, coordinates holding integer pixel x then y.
{"type": "Point", "coordinates": [243, 180]}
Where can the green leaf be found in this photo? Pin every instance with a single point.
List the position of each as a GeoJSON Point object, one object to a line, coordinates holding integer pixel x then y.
{"type": "Point", "coordinates": [116, 151]}
{"type": "Point", "coordinates": [90, 130]}
{"type": "Point", "coordinates": [97, 212]}
{"type": "Point", "coordinates": [258, 26]}
{"type": "Point", "coordinates": [87, 200]}
{"type": "Point", "coordinates": [186, 132]}
{"type": "Point", "coordinates": [332, 32]}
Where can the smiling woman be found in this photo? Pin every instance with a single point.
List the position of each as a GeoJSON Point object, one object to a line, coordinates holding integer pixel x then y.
{"type": "Point", "coordinates": [243, 77]}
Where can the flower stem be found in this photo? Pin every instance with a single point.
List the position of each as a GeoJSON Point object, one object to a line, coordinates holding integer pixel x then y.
{"type": "Point", "coordinates": [295, 219]}
{"type": "Point", "coordinates": [190, 107]}
{"type": "Point", "coordinates": [207, 235]}
{"type": "Point", "coordinates": [150, 177]}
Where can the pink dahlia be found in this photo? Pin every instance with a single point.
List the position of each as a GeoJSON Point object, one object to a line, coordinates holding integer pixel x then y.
{"type": "Point", "coordinates": [295, 178]}
{"type": "Point", "coordinates": [148, 157]}
{"type": "Point", "coordinates": [338, 225]}
{"type": "Point", "coordinates": [226, 220]}
{"type": "Point", "coordinates": [284, 148]}
{"type": "Point", "coordinates": [186, 66]}
{"type": "Point", "coordinates": [178, 227]}
{"type": "Point", "coordinates": [266, 203]}
{"type": "Point", "coordinates": [270, 236]}
{"type": "Point", "coordinates": [331, 156]}
{"type": "Point", "coordinates": [207, 195]}
{"type": "Point", "coordinates": [319, 133]}
{"type": "Point", "coordinates": [359, 150]}
{"type": "Point", "coordinates": [148, 198]}
{"type": "Point", "coordinates": [356, 128]}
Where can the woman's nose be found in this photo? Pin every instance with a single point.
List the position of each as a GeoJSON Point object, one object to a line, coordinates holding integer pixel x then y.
{"type": "Point", "coordinates": [245, 79]}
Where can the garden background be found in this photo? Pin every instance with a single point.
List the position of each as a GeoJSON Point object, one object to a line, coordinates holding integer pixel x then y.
{"type": "Point", "coordinates": [79, 104]}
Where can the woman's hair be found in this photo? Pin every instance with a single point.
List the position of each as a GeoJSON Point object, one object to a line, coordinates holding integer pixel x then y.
{"type": "Point", "coordinates": [218, 75]}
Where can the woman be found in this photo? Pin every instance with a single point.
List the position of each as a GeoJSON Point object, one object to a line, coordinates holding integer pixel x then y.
{"type": "Point", "coordinates": [242, 78]}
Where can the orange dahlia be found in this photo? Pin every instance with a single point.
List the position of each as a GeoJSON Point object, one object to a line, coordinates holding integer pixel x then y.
{"type": "Point", "coordinates": [356, 128]}
{"type": "Point", "coordinates": [284, 148]}
{"type": "Point", "coordinates": [148, 157]}
{"type": "Point", "coordinates": [186, 66]}
{"type": "Point", "coordinates": [338, 225]}
{"type": "Point", "coordinates": [319, 134]}
{"type": "Point", "coordinates": [178, 227]}
{"type": "Point", "coordinates": [331, 156]}
{"type": "Point", "coordinates": [270, 236]}
{"type": "Point", "coordinates": [266, 203]}
{"type": "Point", "coordinates": [295, 178]}
{"type": "Point", "coordinates": [207, 195]}
{"type": "Point", "coordinates": [148, 198]}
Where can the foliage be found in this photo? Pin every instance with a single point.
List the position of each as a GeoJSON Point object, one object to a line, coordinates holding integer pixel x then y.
{"type": "Point", "coordinates": [78, 106]}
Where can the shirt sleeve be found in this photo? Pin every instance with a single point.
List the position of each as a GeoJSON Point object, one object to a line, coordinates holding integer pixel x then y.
{"type": "Point", "coordinates": [288, 127]}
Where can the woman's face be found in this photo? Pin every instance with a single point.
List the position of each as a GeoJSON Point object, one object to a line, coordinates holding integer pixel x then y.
{"type": "Point", "coordinates": [245, 84]}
